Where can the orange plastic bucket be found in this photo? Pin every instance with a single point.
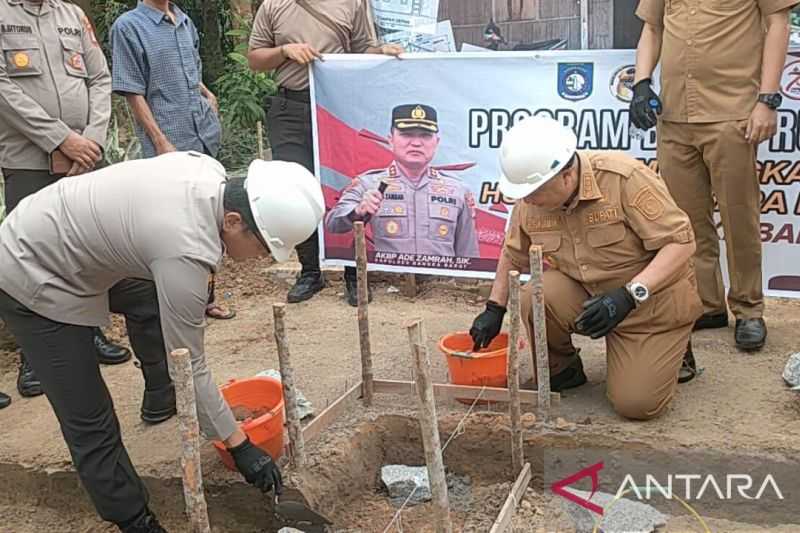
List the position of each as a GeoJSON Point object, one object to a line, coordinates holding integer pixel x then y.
{"type": "Point", "coordinates": [487, 367]}
{"type": "Point", "coordinates": [266, 431]}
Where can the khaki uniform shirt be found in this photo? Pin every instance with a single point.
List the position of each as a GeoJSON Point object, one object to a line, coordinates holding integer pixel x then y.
{"type": "Point", "coordinates": [620, 218]}
{"type": "Point", "coordinates": [64, 247]}
{"type": "Point", "coordinates": [434, 216]}
{"type": "Point", "coordinates": [53, 79]}
{"type": "Point", "coordinates": [710, 55]}
{"type": "Point", "coordinates": [280, 22]}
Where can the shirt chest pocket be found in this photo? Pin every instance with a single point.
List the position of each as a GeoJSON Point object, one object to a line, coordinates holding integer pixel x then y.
{"type": "Point", "coordinates": [22, 54]}
{"type": "Point", "coordinates": [392, 221]}
{"type": "Point", "coordinates": [729, 5]}
{"type": "Point", "coordinates": [605, 243]}
{"type": "Point", "coordinates": [74, 63]}
{"type": "Point", "coordinates": [549, 241]}
{"type": "Point", "coordinates": [442, 220]}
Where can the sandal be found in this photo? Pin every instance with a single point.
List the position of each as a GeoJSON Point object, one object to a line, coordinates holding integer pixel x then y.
{"type": "Point", "coordinates": [688, 370]}
{"type": "Point", "coordinates": [217, 312]}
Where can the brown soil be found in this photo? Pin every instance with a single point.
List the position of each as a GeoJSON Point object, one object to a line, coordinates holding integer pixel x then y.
{"type": "Point", "coordinates": [242, 413]}
{"type": "Point", "coordinates": [739, 408]}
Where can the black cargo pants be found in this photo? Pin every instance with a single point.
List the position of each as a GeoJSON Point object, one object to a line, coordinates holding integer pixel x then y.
{"type": "Point", "coordinates": [290, 136]}
{"type": "Point", "coordinates": [63, 357]}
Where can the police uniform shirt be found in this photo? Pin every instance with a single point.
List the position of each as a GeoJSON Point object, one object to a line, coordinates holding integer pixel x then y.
{"type": "Point", "coordinates": [620, 218]}
{"type": "Point", "coordinates": [53, 79]}
{"type": "Point", "coordinates": [64, 247]}
{"type": "Point", "coordinates": [710, 55]}
{"type": "Point", "coordinates": [280, 22]}
{"type": "Point", "coordinates": [434, 216]}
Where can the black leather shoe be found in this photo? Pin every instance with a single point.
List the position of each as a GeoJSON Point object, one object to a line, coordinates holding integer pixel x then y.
{"type": "Point", "coordinates": [569, 378]}
{"type": "Point", "coordinates": [712, 321]}
{"type": "Point", "coordinates": [147, 523]}
{"type": "Point", "coordinates": [750, 334]}
{"type": "Point", "coordinates": [5, 400]}
{"type": "Point", "coordinates": [109, 353]}
{"type": "Point", "coordinates": [351, 292]}
{"type": "Point", "coordinates": [159, 405]}
{"type": "Point", "coordinates": [28, 384]}
{"type": "Point", "coordinates": [307, 285]}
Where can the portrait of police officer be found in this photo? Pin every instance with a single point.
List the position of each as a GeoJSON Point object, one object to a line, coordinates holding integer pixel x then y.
{"type": "Point", "coordinates": [422, 210]}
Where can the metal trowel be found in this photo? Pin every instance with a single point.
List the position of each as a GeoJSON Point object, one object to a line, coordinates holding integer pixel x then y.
{"type": "Point", "coordinates": [291, 509]}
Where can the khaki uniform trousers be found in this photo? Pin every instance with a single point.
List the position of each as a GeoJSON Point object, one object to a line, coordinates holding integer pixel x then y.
{"type": "Point", "coordinates": [696, 160]}
{"type": "Point", "coordinates": [644, 352]}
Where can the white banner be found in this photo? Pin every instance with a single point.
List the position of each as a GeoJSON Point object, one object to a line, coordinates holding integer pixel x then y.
{"type": "Point", "coordinates": [476, 97]}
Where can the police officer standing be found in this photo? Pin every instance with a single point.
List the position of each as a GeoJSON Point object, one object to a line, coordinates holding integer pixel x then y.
{"type": "Point", "coordinates": [720, 82]}
{"type": "Point", "coordinates": [619, 251]}
{"type": "Point", "coordinates": [55, 104]}
{"type": "Point", "coordinates": [287, 36]}
{"type": "Point", "coordinates": [422, 211]}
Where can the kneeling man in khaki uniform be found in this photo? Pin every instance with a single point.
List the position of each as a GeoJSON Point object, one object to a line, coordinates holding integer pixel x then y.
{"type": "Point", "coordinates": [619, 251]}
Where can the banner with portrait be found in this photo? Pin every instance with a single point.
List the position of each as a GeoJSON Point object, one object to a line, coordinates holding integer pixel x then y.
{"type": "Point", "coordinates": [449, 217]}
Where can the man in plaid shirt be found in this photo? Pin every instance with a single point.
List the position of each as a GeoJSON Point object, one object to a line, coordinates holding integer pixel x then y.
{"type": "Point", "coordinates": [156, 65]}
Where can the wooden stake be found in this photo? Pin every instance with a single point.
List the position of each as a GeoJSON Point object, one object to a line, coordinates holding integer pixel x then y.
{"type": "Point", "coordinates": [430, 429]}
{"type": "Point", "coordinates": [517, 456]}
{"type": "Point", "coordinates": [410, 285]}
{"type": "Point", "coordinates": [514, 497]}
{"type": "Point", "coordinates": [539, 329]}
{"type": "Point", "coordinates": [296, 441]}
{"type": "Point", "coordinates": [260, 139]}
{"type": "Point", "coordinates": [363, 313]}
{"type": "Point", "coordinates": [189, 427]}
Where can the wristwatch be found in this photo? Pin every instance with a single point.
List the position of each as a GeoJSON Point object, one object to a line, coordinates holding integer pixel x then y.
{"type": "Point", "coordinates": [772, 100]}
{"type": "Point", "coordinates": [639, 292]}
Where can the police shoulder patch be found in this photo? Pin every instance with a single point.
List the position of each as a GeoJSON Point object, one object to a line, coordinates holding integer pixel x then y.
{"type": "Point", "coordinates": [647, 203]}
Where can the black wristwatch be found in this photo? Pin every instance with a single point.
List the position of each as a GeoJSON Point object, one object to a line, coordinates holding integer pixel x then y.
{"type": "Point", "coordinates": [772, 100]}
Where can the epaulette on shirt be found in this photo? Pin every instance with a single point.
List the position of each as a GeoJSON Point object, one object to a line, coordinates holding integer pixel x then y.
{"type": "Point", "coordinates": [615, 163]}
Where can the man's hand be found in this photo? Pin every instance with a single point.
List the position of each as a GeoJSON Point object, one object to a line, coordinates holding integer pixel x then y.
{"type": "Point", "coordinates": [77, 169]}
{"type": "Point", "coordinates": [645, 106]}
{"type": "Point", "coordinates": [762, 124]}
{"type": "Point", "coordinates": [604, 312]}
{"type": "Point", "coordinates": [81, 150]}
{"type": "Point", "coordinates": [212, 101]}
{"type": "Point", "coordinates": [370, 204]}
{"type": "Point", "coordinates": [163, 146]}
{"type": "Point", "coordinates": [487, 325]}
{"type": "Point", "coordinates": [301, 53]}
{"type": "Point", "coordinates": [392, 49]}
{"type": "Point", "coordinates": [257, 467]}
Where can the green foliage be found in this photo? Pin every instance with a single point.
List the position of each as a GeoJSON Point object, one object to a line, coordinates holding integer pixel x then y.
{"type": "Point", "coordinates": [241, 93]}
{"type": "Point", "coordinates": [240, 90]}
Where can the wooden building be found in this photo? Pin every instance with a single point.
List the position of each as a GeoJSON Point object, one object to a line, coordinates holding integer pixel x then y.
{"type": "Point", "coordinates": [611, 23]}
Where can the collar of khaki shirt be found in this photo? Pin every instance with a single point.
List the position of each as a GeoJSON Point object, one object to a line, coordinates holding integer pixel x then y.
{"type": "Point", "coordinates": [587, 184]}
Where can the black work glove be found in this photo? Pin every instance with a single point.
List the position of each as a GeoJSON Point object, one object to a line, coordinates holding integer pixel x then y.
{"type": "Point", "coordinates": [257, 467]}
{"type": "Point", "coordinates": [603, 312]}
{"type": "Point", "coordinates": [645, 105]}
{"type": "Point", "coordinates": [487, 325]}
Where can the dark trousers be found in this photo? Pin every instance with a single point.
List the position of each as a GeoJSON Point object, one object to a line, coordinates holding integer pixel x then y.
{"type": "Point", "coordinates": [289, 124]}
{"type": "Point", "coordinates": [21, 183]}
{"type": "Point", "coordinates": [63, 357]}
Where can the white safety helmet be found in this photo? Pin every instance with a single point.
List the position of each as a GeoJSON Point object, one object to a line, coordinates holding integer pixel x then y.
{"type": "Point", "coordinates": [287, 204]}
{"type": "Point", "coordinates": [533, 151]}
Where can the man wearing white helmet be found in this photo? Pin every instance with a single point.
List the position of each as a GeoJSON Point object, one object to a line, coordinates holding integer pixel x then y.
{"type": "Point", "coordinates": [140, 238]}
{"type": "Point", "coordinates": [619, 254]}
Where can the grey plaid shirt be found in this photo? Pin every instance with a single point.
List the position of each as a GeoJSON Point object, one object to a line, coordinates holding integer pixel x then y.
{"type": "Point", "coordinates": [161, 61]}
